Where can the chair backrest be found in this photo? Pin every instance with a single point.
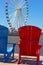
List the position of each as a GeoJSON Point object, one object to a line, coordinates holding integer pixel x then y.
{"type": "Point", "coordinates": [29, 39]}
{"type": "Point", "coordinates": [3, 39]}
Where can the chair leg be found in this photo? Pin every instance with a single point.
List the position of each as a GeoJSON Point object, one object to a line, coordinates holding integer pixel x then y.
{"type": "Point", "coordinates": [37, 60]}
{"type": "Point", "coordinates": [19, 59]}
{"type": "Point", "coordinates": [5, 57]}
{"type": "Point", "coordinates": [13, 55]}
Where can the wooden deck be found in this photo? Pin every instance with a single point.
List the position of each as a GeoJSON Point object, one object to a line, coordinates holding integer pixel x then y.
{"type": "Point", "coordinates": [26, 60]}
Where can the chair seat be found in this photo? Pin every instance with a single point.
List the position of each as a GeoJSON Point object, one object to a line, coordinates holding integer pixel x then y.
{"type": "Point", "coordinates": [9, 49]}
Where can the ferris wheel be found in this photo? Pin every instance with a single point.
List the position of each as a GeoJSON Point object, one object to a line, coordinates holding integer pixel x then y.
{"type": "Point", "coordinates": [16, 13]}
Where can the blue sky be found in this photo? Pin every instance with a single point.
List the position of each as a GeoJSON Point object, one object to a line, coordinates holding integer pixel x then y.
{"type": "Point", "coordinates": [2, 13]}
{"type": "Point", "coordinates": [35, 13]}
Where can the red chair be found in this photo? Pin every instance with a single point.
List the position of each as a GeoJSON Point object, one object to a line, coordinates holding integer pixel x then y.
{"type": "Point", "coordinates": [29, 42]}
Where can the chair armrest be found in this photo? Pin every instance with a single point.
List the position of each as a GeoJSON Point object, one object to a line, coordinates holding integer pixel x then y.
{"type": "Point", "coordinates": [18, 43]}
{"type": "Point", "coordinates": [13, 43]}
{"type": "Point", "coordinates": [38, 49]}
{"type": "Point", "coordinates": [40, 46]}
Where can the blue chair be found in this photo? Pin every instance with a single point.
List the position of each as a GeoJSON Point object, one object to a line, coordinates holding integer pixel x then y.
{"type": "Point", "coordinates": [8, 52]}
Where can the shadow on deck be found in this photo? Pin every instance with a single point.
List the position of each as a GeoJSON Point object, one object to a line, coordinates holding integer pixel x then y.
{"type": "Point", "coordinates": [24, 61]}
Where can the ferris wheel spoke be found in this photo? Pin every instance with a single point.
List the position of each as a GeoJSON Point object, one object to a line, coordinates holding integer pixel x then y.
{"type": "Point", "coordinates": [14, 24]}
{"type": "Point", "coordinates": [22, 5]}
{"type": "Point", "coordinates": [20, 2]}
{"type": "Point", "coordinates": [17, 3]}
{"type": "Point", "coordinates": [12, 4]}
{"type": "Point", "coordinates": [11, 7]}
{"type": "Point", "coordinates": [13, 19]}
{"type": "Point", "coordinates": [10, 15]}
{"type": "Point", "coordinates": [13, 16]}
